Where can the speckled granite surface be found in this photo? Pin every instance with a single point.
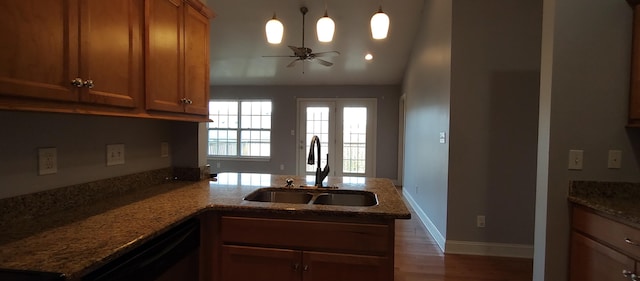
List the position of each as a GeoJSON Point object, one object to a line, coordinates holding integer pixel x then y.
{"type": "Point", "coordinates": [620, 200]}
{"type": "Point", "coordinates": [77, 240]}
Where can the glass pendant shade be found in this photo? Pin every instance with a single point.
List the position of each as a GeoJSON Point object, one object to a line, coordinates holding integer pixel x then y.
{"type": "Point", "coordinates": [325, 28]}
{"type": "Point", "coordinates": [379, 25]}
{"type": "Point", "coordinates": [274, 30]}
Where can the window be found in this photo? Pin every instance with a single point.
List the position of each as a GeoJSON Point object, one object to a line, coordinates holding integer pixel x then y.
{"type": "Point", "coordinates": [240, 128]}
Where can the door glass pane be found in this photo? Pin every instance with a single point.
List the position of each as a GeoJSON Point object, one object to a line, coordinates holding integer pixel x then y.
{"type": "Point", "coordinates": [354, 141]}
{"type": "Point", "coordinates": [318, 125]}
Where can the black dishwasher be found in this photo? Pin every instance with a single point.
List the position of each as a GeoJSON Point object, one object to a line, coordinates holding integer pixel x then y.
{"type": "Point", "coordinates": [170, 256]}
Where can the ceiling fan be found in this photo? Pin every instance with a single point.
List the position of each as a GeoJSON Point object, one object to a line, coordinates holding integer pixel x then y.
{"type": "Point", "coordinates": [306, 54]}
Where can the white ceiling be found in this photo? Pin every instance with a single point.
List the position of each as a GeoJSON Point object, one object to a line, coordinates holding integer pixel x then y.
{"type": "Point", "coordinates": [238, 42]}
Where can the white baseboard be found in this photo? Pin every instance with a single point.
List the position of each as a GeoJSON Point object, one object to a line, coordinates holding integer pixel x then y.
{"type": "Point", "coordinates": [489, 249]}
{"type": "Point", "coordinates": [424, 219]}
{"type": "Point", "coordinates": [468, 247]}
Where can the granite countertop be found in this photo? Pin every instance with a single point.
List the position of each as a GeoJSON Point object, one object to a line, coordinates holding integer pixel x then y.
{"type": "Point", "coordinates": [78, 240]}
{"type": "Point", "coordinates": [617, 200]}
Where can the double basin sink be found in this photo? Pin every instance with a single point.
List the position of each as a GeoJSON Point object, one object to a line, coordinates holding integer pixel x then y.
{"type": "Point", "coordinates": [314, 196]}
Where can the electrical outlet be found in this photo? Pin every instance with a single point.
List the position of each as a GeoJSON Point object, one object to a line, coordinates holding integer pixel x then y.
{"type": "Point", "coordinates": [47, 161]}
{"type": "Point", "coordinates": [480, 221]}
{"type": "Point", "coordinates": [164, 149]}
{"type": "Point", "coordinates": [281, 167]}
{"type": "Point", "coordinates": [575, 159]}
{"type": "Point", "coordinates": [115, 154]}
{"type": "Point", "coordinates": [615, 157]}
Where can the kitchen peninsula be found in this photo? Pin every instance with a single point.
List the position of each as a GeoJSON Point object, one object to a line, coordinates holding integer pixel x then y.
{"type": "Point", "coordinates": [81, 239]}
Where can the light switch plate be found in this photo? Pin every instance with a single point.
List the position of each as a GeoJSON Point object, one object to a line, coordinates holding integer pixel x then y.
{"type": "Point", "coordinates": [443, 137]}
{"type": "Point", "coordinates": [47, 161]}
{"type": "Point", "coordinates": [575, 159]}
{"type": "Point", "coordinates": [115, 154]}
{"type": "Point", "coordinates": [164, 149]}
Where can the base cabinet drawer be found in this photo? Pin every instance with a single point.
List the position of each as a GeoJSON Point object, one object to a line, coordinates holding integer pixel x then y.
{"type": "Point", "coordinates": [592, 261]}
{"type": "Point", "coordinates": [602, 248]}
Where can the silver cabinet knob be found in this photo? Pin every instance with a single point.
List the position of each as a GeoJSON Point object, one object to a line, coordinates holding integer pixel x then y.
{"type": "Point", "coordinates": [88, 83]}
{"type": "Point", "coordinates": [77, 82]}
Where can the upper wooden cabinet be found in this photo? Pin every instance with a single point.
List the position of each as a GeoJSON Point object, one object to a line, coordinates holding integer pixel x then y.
{"type": "Point", "coordinates": [74, 50]}
{"type": "Point", "coordinates": [634, 96]}
{"type": "Point", "coordinates": [177, 56]}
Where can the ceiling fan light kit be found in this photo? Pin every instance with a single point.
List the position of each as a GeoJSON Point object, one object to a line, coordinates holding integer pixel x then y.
{"type": "Point", "coordinates": [274, 30]}
{"type": "Point", "coordinates": [379, 25]}
{"type": "Point", "coordinates": [306, 54]}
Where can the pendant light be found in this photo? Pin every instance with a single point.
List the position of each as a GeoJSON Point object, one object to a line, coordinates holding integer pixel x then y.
{"type": "Point", "coordinates": [325, 27]}
{"type": "Point", "coordinates": [379, 24]}
{"type": "Point", "coordinates": [274, 30]}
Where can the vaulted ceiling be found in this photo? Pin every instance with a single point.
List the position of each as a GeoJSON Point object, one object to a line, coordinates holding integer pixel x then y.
{"type": "Point", "coordinates": [238, 42]}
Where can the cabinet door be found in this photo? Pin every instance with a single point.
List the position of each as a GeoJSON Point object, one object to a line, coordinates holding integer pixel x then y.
{"type": "Point", "coordinates": [196, 65]}
{"type": "Point", "coordinates": [343, 267]}
{"type": "Point", "coordinates": [110, 51]}
{"type": "Point", "coordinates": [592, 261]}
{"type": "Point", "coordinates": [634, 97]}
{"type": "Point", "coordinates": [39, 49]}
{"type": "Point", "coordinates": [164, 55]}
{"type": "Point", "coordinates": [240, 263]}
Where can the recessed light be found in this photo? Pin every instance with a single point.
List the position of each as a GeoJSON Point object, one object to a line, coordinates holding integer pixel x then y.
{"type": "Point", "coordinates": [368, 57]}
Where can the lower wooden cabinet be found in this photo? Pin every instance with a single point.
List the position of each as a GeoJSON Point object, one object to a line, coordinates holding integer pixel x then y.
{"type": "Point", "coordinates": [254, 248]}
{"type": "Point", "coordinates": [602, 248]}
{"type": "Point", "coordinates": [242, 263]}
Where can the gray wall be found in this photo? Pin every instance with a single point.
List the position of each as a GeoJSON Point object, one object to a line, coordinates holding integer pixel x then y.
{"type": "Point", "coordinates": [476, 76]}
{"type": "Point", "coordinates": [583, 105]}
{"type": "Point", "coordinates": [80, 141]}
{"type": "Point", "coordinates": [427, 87]}
{"type": "Point", "coordinates": [284, 119]}
{"type": "Point", "coordinates": [494, 116]}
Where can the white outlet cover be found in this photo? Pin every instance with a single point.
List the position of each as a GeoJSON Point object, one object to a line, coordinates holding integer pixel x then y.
{"type": "Point", "coordinates": [615, 157]}
{"type": "Point", "coordinates": [47, 161]}
{"type": "Point", "coordinates": [115, 154]}
{"type": "Point", "coordinates": [575, 159]}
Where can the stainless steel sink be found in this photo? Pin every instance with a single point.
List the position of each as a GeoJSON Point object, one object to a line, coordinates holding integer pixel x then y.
{"type": "Point", "coordinates": [280, 195]}
{"type": "Point", "coordinates": [347, 198]}
{"type": "Point", "coordinates": [313, 196]}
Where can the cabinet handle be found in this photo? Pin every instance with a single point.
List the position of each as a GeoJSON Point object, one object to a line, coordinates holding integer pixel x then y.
{"type": "Point", "coordinates": [88, 83]}
{"type": "Point", "coordinates": [295, 266]}
{"type": "Point", "coordinates": [631, 242]}
{"type": "Point", "coordinates": [306, 267]}
{"type": "Point", "coordinates": [189, 101]}
{"type": "Point", "coordinates": [629, 274]}
{"type": "Point", "coordinates": [77, 82]}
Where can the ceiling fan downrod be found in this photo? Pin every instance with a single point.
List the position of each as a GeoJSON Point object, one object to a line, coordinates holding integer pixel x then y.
{"type": "Point", "coordinates": [304, 11]}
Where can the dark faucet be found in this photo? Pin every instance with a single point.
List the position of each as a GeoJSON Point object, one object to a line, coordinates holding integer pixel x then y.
{"type": "Point", "coordinates": [320, 174]}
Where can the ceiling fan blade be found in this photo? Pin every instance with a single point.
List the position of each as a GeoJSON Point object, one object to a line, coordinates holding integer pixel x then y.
{"type": "Point", "coordinates": [327, 54]}
{"type": "Point", "coordinates": [293, 63]}
{"type": "Point", "coordinates": [323, 62]}
{"type": "Point", "coordinates": [279, 56]}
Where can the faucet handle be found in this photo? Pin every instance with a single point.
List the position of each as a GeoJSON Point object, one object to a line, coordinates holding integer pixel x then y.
{"type": "Point", "coordinates": [289, 182]}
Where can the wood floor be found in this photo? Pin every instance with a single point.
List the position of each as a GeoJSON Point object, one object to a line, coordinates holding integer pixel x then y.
{"type": "Point", "coordinates": [418, 257]}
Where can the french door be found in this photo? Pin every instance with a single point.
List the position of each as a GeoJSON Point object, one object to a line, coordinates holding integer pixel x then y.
{"type": "Point", "coordinates": [346, 128]}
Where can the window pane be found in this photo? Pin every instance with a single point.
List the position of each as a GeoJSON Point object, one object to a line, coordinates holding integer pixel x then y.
{"type": "Point", "coordinates": [318, 125]}
{"type": "Point", "coordinates": [254, 120]}
{"type": "Point", "coordinates": [354, 139]}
